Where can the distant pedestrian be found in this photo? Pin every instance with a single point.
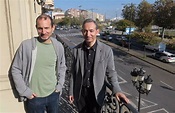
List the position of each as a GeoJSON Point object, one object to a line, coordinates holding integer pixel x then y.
{"type": "Point", "coordinates": [93, 62]}
{"type": "Point", "coordinates": [37, 73]}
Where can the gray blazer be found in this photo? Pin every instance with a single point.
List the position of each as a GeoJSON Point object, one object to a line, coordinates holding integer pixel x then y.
{"type": "Point", "coordinates": [104, 69]}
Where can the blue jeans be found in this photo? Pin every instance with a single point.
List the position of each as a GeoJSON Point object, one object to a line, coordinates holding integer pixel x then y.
{"type": "Point", "coordinates": [42, 104]}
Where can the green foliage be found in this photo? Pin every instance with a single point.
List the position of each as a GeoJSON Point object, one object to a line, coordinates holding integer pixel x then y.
{"type": "Point", "coordinates": [164, 11]}
{"type": "Point", "coordinates": [144, 15]}
{"type": "Point", "coordinates": [67, 21]}
{"type": "Point", "coordinates": [148, 29]}
{"type": "Point", "coordinates": [123, 24]}
{"type": "Point", "coordinates": [147, 38]}
{"type": "Point", "coordinates": [171, 45]}
{"type": "Point", "coordinates": [129, 12]}
{"type": "Point", "coordinates": [56, 21]}
{"type": "Point", "coordinates": [160, 13]}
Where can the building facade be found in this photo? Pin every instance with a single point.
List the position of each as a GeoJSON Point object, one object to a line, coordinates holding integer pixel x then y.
{"type": "Point", "coordinates": [84, 13]}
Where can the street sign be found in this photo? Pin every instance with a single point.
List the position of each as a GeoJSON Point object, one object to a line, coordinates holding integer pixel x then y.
{"type": "Point", "coordinates": [162, 46]}
{"type": "Point", "coordinates": [129, 30]}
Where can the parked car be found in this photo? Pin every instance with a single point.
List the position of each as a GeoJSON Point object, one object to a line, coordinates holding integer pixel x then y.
{"type": "Point", "coordinates": [124, 42]}
{"type": "Point", "coordinates": [118, 38]}
{"type": "Point", "coordinates": [154, 48]}
{"type": "Point", "coordinates": [107, 37]}
{"type": "Point", "coordinates": [98, 35]}
{"type": "Point", "coordinates": [164, 56]}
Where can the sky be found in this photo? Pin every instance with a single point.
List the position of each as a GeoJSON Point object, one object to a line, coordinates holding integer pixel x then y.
{"type": "Point", "coordinates": [109, 8]}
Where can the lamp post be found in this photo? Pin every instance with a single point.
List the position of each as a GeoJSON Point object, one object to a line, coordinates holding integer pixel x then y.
{"type": "Point", "coordinates": [79, 11]}
{"type": "Point", "coordinates": [142, 82]}
{"type": "Point", "coordinates": [92, 12]}
{"type": "Point", "coordinates": [41, 2]}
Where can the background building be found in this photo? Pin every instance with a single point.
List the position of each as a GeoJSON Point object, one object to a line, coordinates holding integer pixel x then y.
{"type": "Point", "coordinates": [84, 13]}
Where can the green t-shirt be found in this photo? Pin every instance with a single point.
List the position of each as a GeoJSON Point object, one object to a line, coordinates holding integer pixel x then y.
{"type": "Point", "coordinates": [44, 80]}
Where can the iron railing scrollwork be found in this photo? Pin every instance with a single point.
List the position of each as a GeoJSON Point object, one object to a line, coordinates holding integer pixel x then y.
{"type": "Point", "coordinates": [111, 104]}
{"type": "Point", "coordinates": [68, 54]}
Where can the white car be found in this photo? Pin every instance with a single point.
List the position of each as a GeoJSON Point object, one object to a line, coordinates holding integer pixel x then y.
{"type": "Point", "coordinates": [98, 35]}
{"type": "Point", "coordinates": [164, 56]}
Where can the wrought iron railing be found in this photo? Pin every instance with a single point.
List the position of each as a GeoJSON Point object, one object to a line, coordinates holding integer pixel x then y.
{"type": "Point", "coordinates": [111, 104]}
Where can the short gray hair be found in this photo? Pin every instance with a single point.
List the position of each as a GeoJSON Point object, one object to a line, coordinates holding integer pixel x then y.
{"type": "Point", "coordinates": [90, 20]}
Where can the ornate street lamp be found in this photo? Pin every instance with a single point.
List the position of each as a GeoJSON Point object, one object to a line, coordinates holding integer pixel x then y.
{"type": "Point", "coordinates": [142, 83]}
{"type": "Point", "coordinates": [41, 3]}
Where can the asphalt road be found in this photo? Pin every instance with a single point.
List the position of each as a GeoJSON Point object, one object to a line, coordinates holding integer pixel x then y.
{"type": "Point", "coordinates": [161, 97]}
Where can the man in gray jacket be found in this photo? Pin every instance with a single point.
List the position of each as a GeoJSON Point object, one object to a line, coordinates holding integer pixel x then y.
{"type": "Point", "coordinates": [37, 73]}
{"type": "Point", "coordinates": [93, 62]}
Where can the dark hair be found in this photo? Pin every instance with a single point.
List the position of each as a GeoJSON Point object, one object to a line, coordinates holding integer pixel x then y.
{"type": "Point", "coordinates": [90, 20]}
{"type": "Point", "coordinates": [45, 17]}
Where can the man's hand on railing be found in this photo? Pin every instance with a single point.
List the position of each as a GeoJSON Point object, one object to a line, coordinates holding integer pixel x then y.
{"type": "Point", "coordinates": [129, 107]}
{"type": "Point", "coordinates": [120, 95]}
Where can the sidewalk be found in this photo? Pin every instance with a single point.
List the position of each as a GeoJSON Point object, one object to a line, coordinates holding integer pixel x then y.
{"type": "Point", "coordinates": [8, 103]}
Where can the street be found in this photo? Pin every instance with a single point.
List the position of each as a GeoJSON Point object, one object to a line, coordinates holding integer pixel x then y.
{"type": "Point", "coordinates": [159, 100]}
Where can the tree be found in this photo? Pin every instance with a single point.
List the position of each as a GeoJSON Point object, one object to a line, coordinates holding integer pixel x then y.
{"type": "Point", "coordinates": [66, 21]}
{"type": "Point", "coordinates": [144, 15]}
{"type": "Point", "coordinates": [123, 24]}
{"type": "Point", "coordinates": [75, 21]}
{"type": "Point", "coordinates": [129, 12]}
{"type": "Point", "coordinates": [164, 11]}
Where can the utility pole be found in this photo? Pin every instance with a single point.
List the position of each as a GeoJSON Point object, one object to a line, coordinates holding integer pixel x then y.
{"type": "Point", "coordinates": [92, 10]}
{"type": "Point", "coordinates": [116, 16]}
{"type": "Point", "coordinates": [79, 10]}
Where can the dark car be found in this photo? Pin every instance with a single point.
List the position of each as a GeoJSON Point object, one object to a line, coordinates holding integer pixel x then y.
{"type": "Point", "coordinates": [124, 42]}
{"type": "Point", "coordinates": [118, 38]}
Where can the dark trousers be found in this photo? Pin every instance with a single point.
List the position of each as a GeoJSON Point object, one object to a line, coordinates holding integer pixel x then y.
{"type": "Point", "coordinates": [42, 104]}
{"type": "Point", "coordinates": [87, 102]}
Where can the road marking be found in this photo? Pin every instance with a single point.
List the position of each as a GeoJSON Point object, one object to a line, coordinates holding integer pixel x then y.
{"type": "Point", "coordinates": [158, 110]}
{"type": "Point", "coordinates": [122, 80]}
{"type": "Point", "coordinates": [122, 72]}
{"type": "Point", "coordinates": [121, 59]}
{"type": "Point", "coordinates": [143, 103]}
{"type": "Point", "coordinates": [166, 84]}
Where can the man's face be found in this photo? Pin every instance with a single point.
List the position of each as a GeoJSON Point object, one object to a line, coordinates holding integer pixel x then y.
{"type": "Point", "coordinates": [89, 32]}
{"type": "Point", "coordinates": [44, 28]}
